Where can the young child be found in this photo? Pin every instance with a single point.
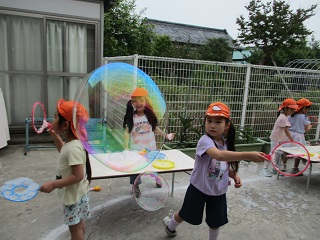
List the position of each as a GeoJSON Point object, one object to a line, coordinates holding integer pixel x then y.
{"type": "Point", "coordinates": [280, 132]}
{"type": "Point", "coordinates": [299, 126]}
{"type": "Point", "coordinates": [140, 125]}
{"type": "Point", "coordinates": [215, 162]}
{"type": "Point", "coordinates": [73, 171]}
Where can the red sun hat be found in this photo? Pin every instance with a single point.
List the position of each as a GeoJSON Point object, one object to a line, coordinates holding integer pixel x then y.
{"type": "Point", "coordinates": [290, 103]}
{"type": "Point", "coordinates": [65, 108]}
{"type": "Point", "coordinates": [218, 109]}
{"type": "Point", "coordinates": [303, 102]}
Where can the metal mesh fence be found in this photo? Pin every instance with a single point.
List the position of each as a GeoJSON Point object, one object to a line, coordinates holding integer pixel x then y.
{"type": "Point", "coordinates": [252, 92]}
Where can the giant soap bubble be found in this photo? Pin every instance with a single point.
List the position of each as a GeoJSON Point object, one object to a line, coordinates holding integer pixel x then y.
{"type": "Point", "coordinates": [105, 93]}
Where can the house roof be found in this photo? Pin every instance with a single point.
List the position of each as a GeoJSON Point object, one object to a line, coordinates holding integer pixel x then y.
{"type": "Point", "coordinates": [185, 33]}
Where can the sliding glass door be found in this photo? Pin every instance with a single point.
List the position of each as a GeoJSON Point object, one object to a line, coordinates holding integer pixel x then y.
{"type": "Point", "coordinates": [43, 59]}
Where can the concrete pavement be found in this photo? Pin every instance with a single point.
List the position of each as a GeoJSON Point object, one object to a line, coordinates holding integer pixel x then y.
{"type": "Point", "coordinates": [264, 208]}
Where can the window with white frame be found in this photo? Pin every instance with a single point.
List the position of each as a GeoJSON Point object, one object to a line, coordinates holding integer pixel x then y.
{"type": "Point", "coordinates": [43, 59]}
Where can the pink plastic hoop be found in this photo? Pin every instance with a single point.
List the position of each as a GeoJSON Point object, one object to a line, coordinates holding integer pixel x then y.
{"type": "Point", "coordinates": [269, 157]}
{"type": "Point", "coordinates": [45, 124]}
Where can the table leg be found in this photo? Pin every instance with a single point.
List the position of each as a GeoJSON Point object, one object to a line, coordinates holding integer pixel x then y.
{"type": "Point", "coordinates": [309, 176]}
{"type": "Point", "coordinates": [172, 186]}
{"type": "Point", "coordinates": [27, 136]}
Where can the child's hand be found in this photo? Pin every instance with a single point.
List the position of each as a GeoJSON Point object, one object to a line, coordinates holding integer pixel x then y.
{"type": "Point", "coordinates": [170, 136]}
{"type": "Point", "coordinates": [237, 181]}
{"type": "Point", "coordinates": [258, 157]}
{"type": "Point", "coordinates": [51, 132]}
{"type": "Point", "coordinates": [47, 187]}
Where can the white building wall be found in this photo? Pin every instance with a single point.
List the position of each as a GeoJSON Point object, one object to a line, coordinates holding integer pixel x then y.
{"type": "Point", "coordinates": [83, 9]}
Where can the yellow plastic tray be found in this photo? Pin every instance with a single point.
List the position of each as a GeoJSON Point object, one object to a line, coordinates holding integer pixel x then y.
{"type": "Point", "coordinates": [163, 164]}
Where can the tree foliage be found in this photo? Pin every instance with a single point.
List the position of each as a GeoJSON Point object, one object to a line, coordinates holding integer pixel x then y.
{"type": "Point", "coordinates": [125, 32]}
{"type": "Point", "coordinates": [273, 26]}
{"type": "Point", "coordinates": [162, 46]}
{"type": "Point", "coordinates": [216, 49]}
{"type": "Point", "coordinates": [301, 50]}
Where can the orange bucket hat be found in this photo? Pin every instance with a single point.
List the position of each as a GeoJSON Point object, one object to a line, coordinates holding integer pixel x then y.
{"type": "Point", "coordinates": [140, 92]}
{"type": "Point", "coordinates": [65, 108]}
{"type": "Point", "coordinates": [303, 102]}
{"type": "Point", "coordinates": [218, 109]}
{"type": "Point", "coordinates": [290, 103]}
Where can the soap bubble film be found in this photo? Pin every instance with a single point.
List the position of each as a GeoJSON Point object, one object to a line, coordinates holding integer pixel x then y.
{"type": "Point", "coordinates": [154, 191]}
{"type": "Point", "coordinates": [105, 93]}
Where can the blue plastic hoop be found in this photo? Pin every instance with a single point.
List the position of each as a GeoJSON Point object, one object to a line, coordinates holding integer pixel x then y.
{"type": "Point", "coordinates": [19, 190]}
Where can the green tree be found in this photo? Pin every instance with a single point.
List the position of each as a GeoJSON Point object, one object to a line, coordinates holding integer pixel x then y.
{"type": "Point", "coordinates": [126, 32]}
{"type": "Point", "coordinates": [315, 48]}
{"type": "Point", "coordinates": [273, 26]}
{"type": "Point", "coordinates": [162, 46]}
{"type": "Point", "coordinates": [300, 50]}
{"type": "Point", "coordinates": [216, 49]}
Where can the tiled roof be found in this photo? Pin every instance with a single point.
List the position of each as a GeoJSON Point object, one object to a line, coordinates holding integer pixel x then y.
{"type": "Point", "coordinates": [185, 33]}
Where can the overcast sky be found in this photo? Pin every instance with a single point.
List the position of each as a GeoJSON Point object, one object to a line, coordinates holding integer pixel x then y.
{"type": "Point", "coordinates": [215, 14]}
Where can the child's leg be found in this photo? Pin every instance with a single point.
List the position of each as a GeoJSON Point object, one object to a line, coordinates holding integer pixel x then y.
{"type": "Point", "coordinates": [296, 163]}
{"type": "Point", "coordinates": [174, 221]}
{"type": "Point", "coordinates": [133, 178]}
{"type": "Point", "coordinates": [266, 164]}
{"type": "Point", "coordinates": [213, 233]}
{"type": "Point", "coordinates": [77, 231]}
{"type": "Point", "coordinates": [157, 179]}
{"type": "Point", "coordinates": [284, 164]}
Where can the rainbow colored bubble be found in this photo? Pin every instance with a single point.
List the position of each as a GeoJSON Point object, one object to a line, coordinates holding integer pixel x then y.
{"type": "Point", "coordinates": [105, 93]}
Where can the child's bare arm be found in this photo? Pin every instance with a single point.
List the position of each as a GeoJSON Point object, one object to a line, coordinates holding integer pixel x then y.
{"type": "Point", "coordinates": [230, 156]}
{"type": "Point", "coordinates": [76, 176]}
{"type": "Point", "coordinates": [236, 178]}
{"type": "Point", "coordinates": [57, 139]}
{"type": "Point", "coordinates": [307, 128]}
{"type": "Point", "coordinates": [168, 136]}
{"type": "Point", "coordinates": [126, 139]}
{"type": "Point", "coordinates": [288, 134]}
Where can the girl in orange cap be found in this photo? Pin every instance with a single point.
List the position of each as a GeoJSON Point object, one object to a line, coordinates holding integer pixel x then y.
{"type": "Point", "coordinates": [280, 132]}
{"type": "Point", "coordinates": [215, 161]}
{"type": "Point", "coordinates": [140, 125]}
{"type": "Point", "coordinates": [300, 124]}
{"type": "Point", "coordinates": [73, 171]}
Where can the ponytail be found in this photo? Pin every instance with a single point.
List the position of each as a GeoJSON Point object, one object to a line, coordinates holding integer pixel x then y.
{"type": "Point", "coordinates": [230, 139]}
{"type": "Point", "coordinates": [88, 167]}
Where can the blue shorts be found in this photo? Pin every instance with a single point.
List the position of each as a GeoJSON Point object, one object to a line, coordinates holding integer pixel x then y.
{"type": "Point", "coordinates": [74, 213]}
{"type": "Point", "coordinates": [193, 206]}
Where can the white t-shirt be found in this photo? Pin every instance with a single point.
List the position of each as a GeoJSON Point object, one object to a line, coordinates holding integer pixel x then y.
{"type": "Point", "coordinates": [278, 134]}
{"type": "Point", "coordinates": [72, 153]}
{"type": "Point", "coordinates": [142, 135]}
{"type": "Point", "coordinates": [209, 175]}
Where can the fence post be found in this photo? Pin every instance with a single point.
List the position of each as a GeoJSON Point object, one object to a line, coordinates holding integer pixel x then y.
{"type": "Point", "coordinates": [318, 128]}
{"type": "Point", "coordinates": [135, 60]}
{"type": "Point", "coordinates": [245, 96]}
